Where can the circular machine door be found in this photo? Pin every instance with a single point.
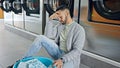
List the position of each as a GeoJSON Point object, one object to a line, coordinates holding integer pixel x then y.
{"type": "Point", "coordinates": [109, 9]}
{"type": "Point", "coordinates": [6, 5]}
{"type": "Point", "coordinates": [16, 6]}
{"type": "Point", "coordinates": [51, 5]}
{"type": "Point", "coordinates": [31, 6]}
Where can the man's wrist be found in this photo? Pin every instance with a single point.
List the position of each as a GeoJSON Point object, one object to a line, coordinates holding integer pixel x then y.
{"type": "Point", "coordinates": [62, 60]}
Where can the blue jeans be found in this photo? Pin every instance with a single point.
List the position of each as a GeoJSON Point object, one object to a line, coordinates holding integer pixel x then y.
{"type": "Point", "coordinates": [51, 47]}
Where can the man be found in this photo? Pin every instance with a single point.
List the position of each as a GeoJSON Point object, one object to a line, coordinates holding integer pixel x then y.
{"type": "Point", "coordinates": [69, 38]}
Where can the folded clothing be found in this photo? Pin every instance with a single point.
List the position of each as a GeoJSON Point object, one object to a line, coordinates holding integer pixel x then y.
{"type": "Point", "coordinates": [34, 63]}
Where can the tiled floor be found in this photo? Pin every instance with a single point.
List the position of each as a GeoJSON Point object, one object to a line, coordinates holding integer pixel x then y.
{"type": "Point", "coordinates": [13, 47]}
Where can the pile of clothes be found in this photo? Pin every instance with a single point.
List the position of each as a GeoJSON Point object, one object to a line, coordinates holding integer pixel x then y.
{"type": "Point", "coordinates": [34, 63]}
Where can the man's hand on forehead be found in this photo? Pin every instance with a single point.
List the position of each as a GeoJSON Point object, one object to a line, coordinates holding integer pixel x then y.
{"type": "Point", "coordinates": [54, 16]}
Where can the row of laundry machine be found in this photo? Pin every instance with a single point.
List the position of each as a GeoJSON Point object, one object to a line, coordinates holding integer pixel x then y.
{"type": "Point", "coordinates": [29, 14]}
{"type": "Point", "coordinates": [23, 14]}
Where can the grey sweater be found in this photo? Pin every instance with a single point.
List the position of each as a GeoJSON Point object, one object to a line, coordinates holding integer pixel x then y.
{"type": "Point", "coordinates": [75, 40]}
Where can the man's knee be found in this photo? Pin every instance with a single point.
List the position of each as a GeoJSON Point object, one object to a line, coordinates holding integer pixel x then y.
{"type": "Point", "coordinates": [40, 38]}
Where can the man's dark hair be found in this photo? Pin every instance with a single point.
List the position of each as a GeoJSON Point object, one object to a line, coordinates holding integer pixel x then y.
{"type": "Point", "coordinates": [62, 7]}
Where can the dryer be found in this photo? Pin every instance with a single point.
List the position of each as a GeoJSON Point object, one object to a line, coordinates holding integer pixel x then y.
{"type": "Point", "coordinates": [6, 7]}
{"type": "Point", "coordinates": [31, 6]}
{"type": "Point", "coordinates": [51, 5]}
{"type": "Point", "coordinates": [33, 15]}
{"type": "Point", "coordinates": [74, 7]}
{"type": "Point", "coordinates": [104, 21]}
{"type": "Point", "coordinates": [104, 11]}
{"type": "Point", "coordinates": [16, 6]}
{"type": "Point", "coordinates": [18, 14]}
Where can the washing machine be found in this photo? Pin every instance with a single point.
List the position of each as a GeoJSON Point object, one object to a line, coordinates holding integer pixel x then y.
{"type": "Point", "coordinates": [33, 15]}
{"type": "Point", "coordinates": [8, 15]}
{"type": "Point", "coordinates": [74, 7]}
{"type": "Point", "coordinates": [16, 6]}
{"type": "Point", "coordinates": [104, 21]}
{"type": "Point", "coordinates": [51, 5]}
{"type": "Point", "coordinates": [6, 5]}
{"type": "Point", "coordinates": [18, 14]}
{"type": "Point", "coordinates": [104, 11]}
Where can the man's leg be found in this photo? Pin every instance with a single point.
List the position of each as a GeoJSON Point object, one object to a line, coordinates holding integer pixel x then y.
{"type": "Point", "coordinates": [48, 44]}
{"type": "Point", "coordinates": [42, 41]}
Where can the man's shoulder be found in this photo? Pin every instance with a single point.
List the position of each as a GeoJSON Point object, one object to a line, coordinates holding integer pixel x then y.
{"type": "Point", "coordinates": [79, 27]}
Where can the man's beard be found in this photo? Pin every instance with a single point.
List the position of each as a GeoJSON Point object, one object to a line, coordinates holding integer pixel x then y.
{"type": "Point", "coordinates": [65, 21]}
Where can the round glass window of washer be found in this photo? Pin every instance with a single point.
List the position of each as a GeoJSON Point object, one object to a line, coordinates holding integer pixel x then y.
{"type": "Point", "coordinates": [32, 4]}
{"type": "Point", "coordinates": [56, 3]}
{"type": "Point", "coordinates": [6, 5]}
{"type": "Point", "coordinates": [112, 5]}
{"type": "Point", "coordinates": [17, 5]}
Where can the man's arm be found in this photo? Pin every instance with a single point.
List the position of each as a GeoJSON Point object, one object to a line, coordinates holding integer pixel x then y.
{"type": "Point", "coordinates": [54, 16]}
{"type": "Point", "coordinates": [51, 27]}
{"type": "Point", "coordinates": [50, 30]}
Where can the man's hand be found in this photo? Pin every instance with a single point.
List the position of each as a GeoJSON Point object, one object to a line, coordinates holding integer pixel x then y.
{"type": "Point", "coordinates": [58, 63]}
{"type": "Point", "coordinates": [54, 16]}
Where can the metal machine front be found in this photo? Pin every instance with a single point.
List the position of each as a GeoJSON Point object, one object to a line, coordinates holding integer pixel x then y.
{"type": "Point", "coordinates": [33, 15]}
{"type": "Point", "coordinates": [105, 11]}
{"type": "Point", "coordinates": [6, 5]}
{"type": "Point", "coordinates": [104, 22]}
{"type": "Point", "coordinates": [51, 5]}
{"type": "Point", "coordinates": [108, 8]}
{"type": "Point", "coordinates": [16, 6]}
{"type": "Point", "coordinates": [31, 6]}
{"type": "Point", "coordinates": [18, 14]}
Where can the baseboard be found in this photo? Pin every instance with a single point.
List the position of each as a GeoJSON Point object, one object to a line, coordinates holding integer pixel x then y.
{"type": "Point", "coordinates": [21, 32]}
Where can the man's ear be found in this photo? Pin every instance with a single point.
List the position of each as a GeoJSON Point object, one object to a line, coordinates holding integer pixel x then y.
{"type": "Point", "coordinates": [67, 12]}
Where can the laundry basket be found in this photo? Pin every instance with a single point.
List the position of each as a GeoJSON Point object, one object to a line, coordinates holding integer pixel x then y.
{"type": "Point", "coordinates": [46, 61]}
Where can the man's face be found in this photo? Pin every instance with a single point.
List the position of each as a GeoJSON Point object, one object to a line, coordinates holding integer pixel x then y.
{"type": "Point", "coordinates": [62, 16]}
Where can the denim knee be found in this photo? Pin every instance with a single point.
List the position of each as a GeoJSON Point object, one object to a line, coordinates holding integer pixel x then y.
{"type": "Point", "coordinates": [40, 37]}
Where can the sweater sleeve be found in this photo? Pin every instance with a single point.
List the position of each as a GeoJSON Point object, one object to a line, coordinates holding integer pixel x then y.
{"type": "Point", "coordinates": [77, 46]}
{"type": "Point", "coordinates": [51, 29]}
